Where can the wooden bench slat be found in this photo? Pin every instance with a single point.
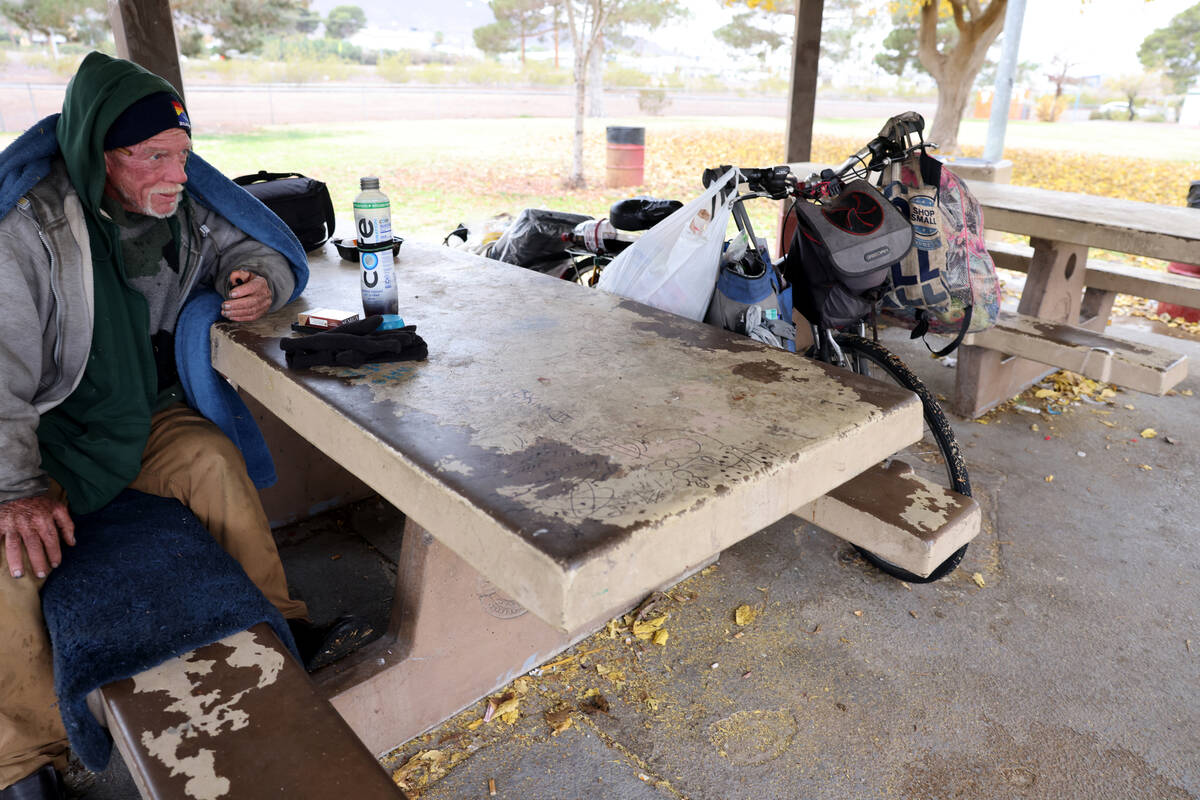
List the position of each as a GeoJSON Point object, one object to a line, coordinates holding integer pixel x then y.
{"type": "Point", "coordinates": [236, 719]}
{"type": "Point", "coordinates": [898, 515]}
{"type": "Point", "coordinates": [1109, 276]}
{"type": "Point", "coordinates": [1093, 355]}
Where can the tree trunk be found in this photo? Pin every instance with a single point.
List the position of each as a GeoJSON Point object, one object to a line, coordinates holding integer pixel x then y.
{"type": "Point", "coordinates": [53, 45]}
{"type": "Point", "coordinates": [596, 81]}
{"type": "Point", "coordinates": [575, 180]}
{"type": "Point", "coordinates": [955, 70]}
{"type": "Point", "coordinates": [952, 100]}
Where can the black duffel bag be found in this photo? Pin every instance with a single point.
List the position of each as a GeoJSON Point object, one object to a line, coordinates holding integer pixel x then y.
{"type": "Point", "coordinates": [303, 203]}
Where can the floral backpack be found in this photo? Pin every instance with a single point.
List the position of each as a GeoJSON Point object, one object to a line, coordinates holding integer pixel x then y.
{"type": "Point", "coordinates": [947, 283]}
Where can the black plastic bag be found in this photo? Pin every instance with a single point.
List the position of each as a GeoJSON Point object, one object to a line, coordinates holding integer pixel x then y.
{"type": "Point", "coordinates": [537, 239]}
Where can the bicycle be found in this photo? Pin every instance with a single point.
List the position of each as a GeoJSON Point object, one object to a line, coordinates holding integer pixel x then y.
{"type": "Point", "coordinates": [937, 455]}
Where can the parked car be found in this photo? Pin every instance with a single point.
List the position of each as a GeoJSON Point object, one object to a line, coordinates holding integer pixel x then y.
{"type": "Point", "coordinates": [1119, 109]}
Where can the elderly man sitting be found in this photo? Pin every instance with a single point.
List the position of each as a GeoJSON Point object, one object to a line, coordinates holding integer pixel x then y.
{"type": "Point", "coordinates": [107, 229]}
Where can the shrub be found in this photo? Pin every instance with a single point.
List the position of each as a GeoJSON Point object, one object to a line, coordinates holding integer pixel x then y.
{"type": "Point", "coordinates": [653, 101]}
{"type": "Point", "coordinates": [708, 83]}
{"type": "Point", "coordinates": [488, 73]}
{"type": "Point", "coordinates": [1049, 108]}
{"type": "Point", "coordinates": [432, 73]}
{"type": "Point", "coordinates": [541, 73]}
{"type": "Point", "coordinates": [774, 85]}
{"type": "Point", "coordinates": [395, 67]}
{"type": "Point", "coordinates": [310, 70]}
{"type": "Point", "coordinates": [616, 75]}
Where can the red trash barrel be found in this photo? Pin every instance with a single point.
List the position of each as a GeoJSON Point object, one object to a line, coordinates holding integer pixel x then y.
{"type": "Point", "coordinates": [1189, 314]}
{"type": "Point", "coordinates": [626, 156]}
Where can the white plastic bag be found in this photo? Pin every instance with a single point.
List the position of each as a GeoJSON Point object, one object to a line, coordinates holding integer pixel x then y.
{"type": "Point", "coordinates": [673, 266]}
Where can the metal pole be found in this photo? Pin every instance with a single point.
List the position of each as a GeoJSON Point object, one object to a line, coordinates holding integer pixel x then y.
{"type": "Point", "coordinates": [1014, 17]}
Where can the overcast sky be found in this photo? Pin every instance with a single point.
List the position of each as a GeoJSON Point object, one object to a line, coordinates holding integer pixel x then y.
{"type": "Point", "coordinates": [1100, 37]}
{"type": "Point", "coordinates": [1097, 36]}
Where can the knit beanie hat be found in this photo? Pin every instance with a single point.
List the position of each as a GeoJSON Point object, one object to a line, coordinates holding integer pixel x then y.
{"type": "Point", "coordinates": [147, 117]}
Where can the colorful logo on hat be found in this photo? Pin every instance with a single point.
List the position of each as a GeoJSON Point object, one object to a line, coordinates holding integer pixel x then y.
{"type": "Point", "coordinates": [181, 115]}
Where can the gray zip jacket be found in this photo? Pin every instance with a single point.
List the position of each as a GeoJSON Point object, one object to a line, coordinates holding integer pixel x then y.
{"type": "Point", "coordinates": [46, 307]}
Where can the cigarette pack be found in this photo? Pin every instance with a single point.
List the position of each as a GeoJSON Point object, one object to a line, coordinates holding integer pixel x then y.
{"type": "Point", "coordinates": [325, 317]}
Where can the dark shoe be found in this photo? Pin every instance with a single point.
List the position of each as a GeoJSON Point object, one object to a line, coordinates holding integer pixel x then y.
{"type": "Point", "coordinates": [320, 646]}
{"type": "Point", "coordinates": [41, 785]}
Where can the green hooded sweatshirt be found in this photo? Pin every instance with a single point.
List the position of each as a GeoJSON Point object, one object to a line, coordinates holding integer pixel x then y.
{"type": "Point", "coordinates": [92, 443]}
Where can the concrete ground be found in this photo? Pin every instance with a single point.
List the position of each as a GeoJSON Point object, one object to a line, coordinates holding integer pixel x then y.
{"type": "Point", "coordinates": [1061, 661]}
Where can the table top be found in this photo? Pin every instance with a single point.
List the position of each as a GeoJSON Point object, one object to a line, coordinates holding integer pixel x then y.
{"type": "Point", "coordinates": [577, 448]}
{"type": "Point", "coordinates": [1124, 226]}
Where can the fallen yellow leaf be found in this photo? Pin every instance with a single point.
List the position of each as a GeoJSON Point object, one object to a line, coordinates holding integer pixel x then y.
{"type": "Point", "coordinates": [1148, 433]}
{"type": "Point", "coordinates": [1146, 467]}
{"type": "Point", "coordinates": [744, 615]}
{"type": "Point", "coordinates": [1049, 478]}
{"type": "Point", "coordinates": [660, 637]}
{"type": "Point", "coordinates": [978, 578]}
{"type": "Point", "coordinates": [646, 628]}
{"type": "Point", "coordinates": [508, 706]}
{"type": "Point", "coordinates": [559, 720]}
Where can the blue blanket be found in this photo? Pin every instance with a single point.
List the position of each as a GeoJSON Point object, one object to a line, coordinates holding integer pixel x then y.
{"type": "Point", "coordinates": [27, 160]}
{"type": "Point", "coordinates": [144, 583]}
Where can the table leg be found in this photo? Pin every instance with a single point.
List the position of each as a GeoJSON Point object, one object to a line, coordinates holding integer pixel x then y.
{"type": "Point", "coordinates": [453, 638]}
{"type": "Point", "coordinates": [1053, 291]}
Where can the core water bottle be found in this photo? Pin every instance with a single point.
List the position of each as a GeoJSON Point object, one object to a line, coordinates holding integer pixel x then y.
{"type": "Point", "coordinates": [373, 224]}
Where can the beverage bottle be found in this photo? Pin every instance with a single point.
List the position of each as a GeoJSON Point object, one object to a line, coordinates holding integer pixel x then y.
{"type": "Point", "coordinates": [373, 225]}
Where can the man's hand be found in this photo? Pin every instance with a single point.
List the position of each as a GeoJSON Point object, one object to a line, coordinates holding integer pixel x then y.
{"type": "Point", "coordinates": [35, 525]}
{"type": "Point", "coordinates": [249, 297]}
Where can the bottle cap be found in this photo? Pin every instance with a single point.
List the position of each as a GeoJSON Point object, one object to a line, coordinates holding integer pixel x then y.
{"type": "Point", "coordinates": [368, 183]}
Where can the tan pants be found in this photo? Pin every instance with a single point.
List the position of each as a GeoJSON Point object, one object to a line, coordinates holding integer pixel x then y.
{"type": "Point", "coordinates": [188, 458]}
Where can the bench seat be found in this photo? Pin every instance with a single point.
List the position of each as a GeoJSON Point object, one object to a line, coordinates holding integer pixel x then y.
{"type": "Point", "coordinates": [1109, 276]}
{"type": "Point", "coordinates": [238, 718]}
{"type": "Point", "coordinates": [898, 515]}
{"type": "Point", "coordinates": [1094, 355]}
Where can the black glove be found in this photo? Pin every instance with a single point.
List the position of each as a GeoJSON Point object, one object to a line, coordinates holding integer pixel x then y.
{"type": "Point", "coordinates": [353, 344]}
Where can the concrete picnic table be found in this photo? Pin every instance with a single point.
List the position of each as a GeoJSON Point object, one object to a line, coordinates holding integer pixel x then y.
{"type": "Point", "coordinates": [562, 451]}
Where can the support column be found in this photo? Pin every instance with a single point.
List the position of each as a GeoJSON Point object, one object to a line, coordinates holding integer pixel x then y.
{"type": "Point", "coordinates": [802, 99]}
{"type": "Point", "coordinates": [145, 35]}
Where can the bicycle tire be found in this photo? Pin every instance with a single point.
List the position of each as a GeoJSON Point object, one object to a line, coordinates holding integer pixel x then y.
{"type": "Point", "coordinates": [585, 271]}
{"type": "Point", "coordinates": [938, 433]}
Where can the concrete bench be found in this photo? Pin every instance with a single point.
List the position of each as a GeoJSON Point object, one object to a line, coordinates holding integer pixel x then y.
{"type": "Point", "coordinates": [236, 719]}
{"type": "Point", "coordinates": [1094, 355]}
{"type": "Point", "coordinates": [899, 516]}
{"type": "Point", "coordinates": [1103, 280]}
